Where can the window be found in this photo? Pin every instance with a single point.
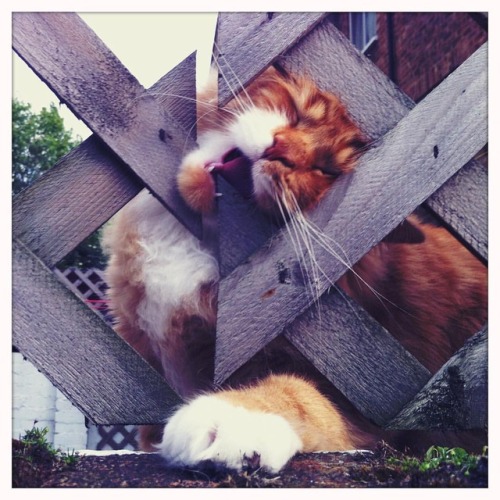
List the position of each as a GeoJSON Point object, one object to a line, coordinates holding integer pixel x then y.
{"type": "Point", "coordinates": [363, 29]}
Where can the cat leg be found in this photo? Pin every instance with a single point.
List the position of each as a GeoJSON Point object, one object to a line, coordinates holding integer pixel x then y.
{"type": "Point", "coordinates": [264, 424]}
{"type": "Point", "coordinates": [210, 428]}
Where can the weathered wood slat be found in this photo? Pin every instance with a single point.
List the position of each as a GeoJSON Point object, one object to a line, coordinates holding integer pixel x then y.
{"type": "Point", "coordinates": [54, 215]}
{"type": "Point", "coordinates": [75, 349]}
{"type": "Point", "coordinates": [377, 105]}
{"type": "Point", "coordinates": [176, 94]}
{"type": "Point", "coordinates": [249, 42]}
{"type": "Point", "coordinates": [242, 229]}
{"type": "Point", "coordinates": [373, 101]}
{"type": "Point", "coordinates": [81, 70]}
{"type": "Point", "coordinates": [360, 357]}
{"type": "Point", "coordinates": [91, 183]}
{"type": "Point", "coordinates": [393, 178]}
{"type": "Point", "coordinates": [457, 396]}
{"type": "Point", "coordinates": [462, 202]}
{"type": "Point", "coordinates": [72, 200]}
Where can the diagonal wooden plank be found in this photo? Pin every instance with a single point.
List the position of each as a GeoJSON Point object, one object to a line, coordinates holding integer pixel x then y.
{"type": "Point", "coordinates": [462, 202]}
{"type": "Point", "coordinates": [51, 218]}
{"type": "Point", "coordinates": [83, 73]}
{"type": "Point", "coordinates": [393, 178]}
{"type": "Point", "coordinates": [249, 42]}
{"type": "Point", "coordinates": [323, 54]}
{"type": "Point", "coordinates": [457, 396]}
{"type": "Point", "coordinates": [91, 183]}
{"type": "Point", "coordinates": [377, 105]}
{"type": "Point", "coordinates": [335, 65]}
{"type": "Point", "coordinates": [370, 367]}
{"type": "Point", "coordinates": [79, 354]}
{"type": "Point", "coordinates": [72, 200]}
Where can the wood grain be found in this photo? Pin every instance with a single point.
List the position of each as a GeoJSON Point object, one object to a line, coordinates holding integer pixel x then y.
{"type": "Point", "coordinates": [333, 63]}
{"type": "Point", "coordinates": [86, 75]}
{"type": "Point", "coordinates": [249, 42]}
{"type": "Point", "coordinates": [73, 347]}
{"type": "Point", "coordinates": [462, 202]}
{"type": "Point", "coordinates": [358, 355]}
{"type": "Point", "coordinates": [55, 330]}
{"type": "Point", "coordinates": [377, 104]}
{"type": "Point", "coordinates": [91, 183]}
{"type": "Point", "coordinates": [457, 396]}
{"type": "Point", "coordinates": [393, 178]}
{"type": "Point", "coordinates": [241, 228]}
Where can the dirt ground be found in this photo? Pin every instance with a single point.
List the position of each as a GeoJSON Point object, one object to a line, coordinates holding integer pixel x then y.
{"type": "Point", "coordinates": [313, 470]}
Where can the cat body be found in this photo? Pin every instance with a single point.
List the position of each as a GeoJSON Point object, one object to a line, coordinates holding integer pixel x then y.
{"type": "Point", "coordinates": [284, 143]}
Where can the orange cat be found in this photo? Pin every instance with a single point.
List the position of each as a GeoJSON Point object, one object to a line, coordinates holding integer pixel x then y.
{"type": "Point", "coordinates": [282, 143]}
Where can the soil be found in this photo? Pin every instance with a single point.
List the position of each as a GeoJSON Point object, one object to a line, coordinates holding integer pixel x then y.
{"type": "Point", "coordinates": [313, 470]}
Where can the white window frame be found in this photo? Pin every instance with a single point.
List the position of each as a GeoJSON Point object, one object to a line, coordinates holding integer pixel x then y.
{"type": "Point", "coordinates": [368, 37]}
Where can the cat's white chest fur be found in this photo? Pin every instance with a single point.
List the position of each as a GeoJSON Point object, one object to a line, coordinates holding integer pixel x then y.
{"type": "Point", "coordinates": [173, 264]}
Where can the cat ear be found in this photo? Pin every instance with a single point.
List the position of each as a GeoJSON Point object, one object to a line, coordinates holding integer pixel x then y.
{"type": "Point", "coordinates": [406, 232]}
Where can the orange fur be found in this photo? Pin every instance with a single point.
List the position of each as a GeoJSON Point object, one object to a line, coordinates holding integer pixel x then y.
{"type": "Point", "coordinates": [434, 293]}
{"type": "Point", "coordinates": [196, 187]}
{"type": "Point", "coordinates": [126, 287]}
{"type": "Point", "coordinates": [316, 420]}
{"type": "Point", "coordinates": [320, 143]}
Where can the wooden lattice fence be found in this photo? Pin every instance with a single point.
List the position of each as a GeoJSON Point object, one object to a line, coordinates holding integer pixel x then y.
{"type": "Point", "coordinates": [421, 155]}
{"type": "Point", "coordinates": [90, 285]}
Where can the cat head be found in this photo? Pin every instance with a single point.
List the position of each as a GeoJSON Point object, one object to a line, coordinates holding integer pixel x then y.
{"type": "Point", "coordinates": [284, 145]}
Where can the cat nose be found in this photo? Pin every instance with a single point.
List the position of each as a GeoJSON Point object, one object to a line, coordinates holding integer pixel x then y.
{"type": "Point", "coordinates": [268, 151]}
{"type": "Point", "coordinates": [276, 149]}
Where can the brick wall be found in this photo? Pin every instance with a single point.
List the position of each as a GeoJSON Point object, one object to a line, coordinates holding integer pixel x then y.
{"type": "Point", "coordinates": [426, 47]}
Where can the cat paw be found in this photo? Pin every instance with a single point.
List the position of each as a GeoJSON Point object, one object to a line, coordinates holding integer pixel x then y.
{"type": "Point", "coordinates": [196, 185]}
{"type": "Point", "coordinates": [212, 429]}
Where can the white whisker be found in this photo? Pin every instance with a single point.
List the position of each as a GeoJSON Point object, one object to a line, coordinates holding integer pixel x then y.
{"type": "Point", "coordinates": [237, 98]}
{"type": "Point", "coordinates": [325, 242]}
{"type": "Point", "coordinates": [305, 248]}
{"type": "Point", "coordinates": [295, 239]}
{"type": "Point", "coordinates": [238, 81]}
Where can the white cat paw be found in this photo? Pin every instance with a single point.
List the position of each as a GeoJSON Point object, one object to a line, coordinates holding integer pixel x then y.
{"type": "Point", "coordinates": [210, 428]}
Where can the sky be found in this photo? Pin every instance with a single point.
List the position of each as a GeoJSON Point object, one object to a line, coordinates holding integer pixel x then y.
{"type": "Point", "coordinates": [148, 44]}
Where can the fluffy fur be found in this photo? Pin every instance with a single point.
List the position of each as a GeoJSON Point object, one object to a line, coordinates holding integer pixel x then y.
{"type": "Point", "coordinates": [431, 295]}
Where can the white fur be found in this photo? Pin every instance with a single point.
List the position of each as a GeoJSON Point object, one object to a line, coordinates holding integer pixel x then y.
{"type": "Point", "coordinates": [253, 131]}
{"type": "Point", "coordinates": [213, 145]}
{"type": "Point", "coordinates": [210, 428]}
{"type": "Point", "coordinates": [173, 264]}
{"type": "Point", "coordinates": [263, 186]}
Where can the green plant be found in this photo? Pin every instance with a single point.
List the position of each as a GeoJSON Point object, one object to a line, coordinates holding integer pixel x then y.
{"type": "Point", "coordinates": [436, 456]}
{"type": "Point", "coordinates": [33, 446]}
{"type": "Point", "coordinates": [39, 141]}
{"type": "Point", "coordinates": [69, 458]}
